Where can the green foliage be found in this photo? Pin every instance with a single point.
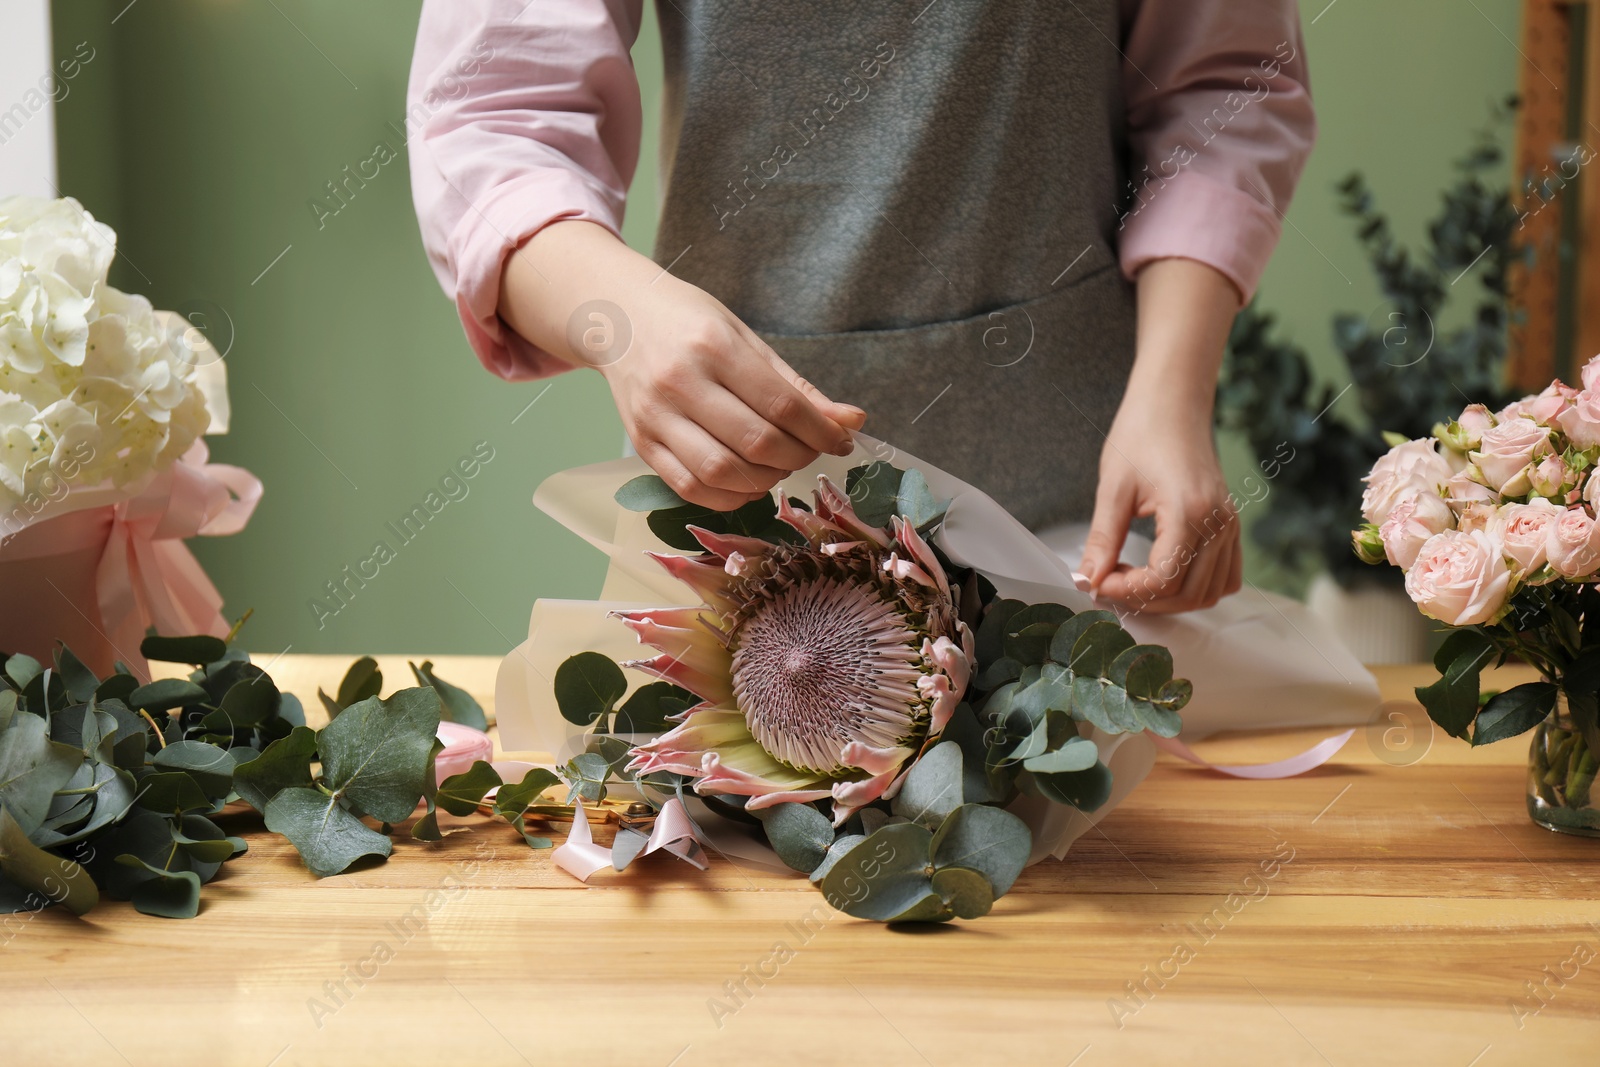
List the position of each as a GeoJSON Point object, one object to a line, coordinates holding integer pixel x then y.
{"type": "Point", "coordinates": [1406, 372]}
{"type": "Point", "coordinates": [108, 786]}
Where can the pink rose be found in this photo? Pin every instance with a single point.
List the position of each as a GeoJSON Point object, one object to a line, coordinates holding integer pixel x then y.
{"type": "Point", "coordinates": [1573, 545]}
{"type": "Point", "coordinates": [1581, 421]}
{"type": "Point", "coordinates": [1544, 408]}
{"type": "Point", "coordinates": [1459, 578]}
{"type": "Point", "coordinates": [1462, 491]}
{"type": "Point", "coordinates": [1410, 524]}
{"type": "Point", "coordinates": [1590, 375]}
{"type": "Point", "coordinates": [1477, 516]}
{"type": "Point", "coordinates": [1508, 448]}
{"type": "Point", "coordinates": [1524, 531]}
{"type": "Point", "coordinates": [1591, 491]}
{"type": "Point", "coordinates": [1550, 477]}
{"type": "Point", "coordinates": [1464, 433]}
{"type": "Point", "coordinates": [1406, 469]}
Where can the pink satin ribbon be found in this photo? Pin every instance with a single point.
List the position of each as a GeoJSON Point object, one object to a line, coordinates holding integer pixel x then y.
{"type": "Point", "coordinates": [1315, 756]}
{"type": "Point", "coordinates": [673, 832]}
{"type": "Point", "coordinates": [146, 575]}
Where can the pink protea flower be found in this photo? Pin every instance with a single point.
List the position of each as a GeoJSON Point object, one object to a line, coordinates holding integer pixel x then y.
{"type": "Point", "coordinates": [825, 667]}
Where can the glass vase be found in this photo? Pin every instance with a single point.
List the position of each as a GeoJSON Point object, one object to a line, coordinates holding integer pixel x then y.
{"type": "Point", "coordinates": [1561, 771]}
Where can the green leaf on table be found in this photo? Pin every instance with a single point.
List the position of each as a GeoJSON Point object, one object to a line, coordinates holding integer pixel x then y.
{"type": "Point", "coordinates": [246, 703]}
{"type": "Point", "coordinates": [647, 708]}
{"type": "Point", "coordinates": [459, 705]}
{"type": "Point", "coordinates": [989, 840]}
{"type": "Point", "coordinates": [78, 678]}
{"type": "Point", "coordinates": [32, 768]}
{"type": "Point", "coordinates": [966, 892]}
{"type": "Point", "coordinates": [885, 876]}
{"type": "Point", "coordinates": [199, 649]}
{"type": "Point", "coordinates": [327, 836]}
{"type": "Point", "coordinates": [1452, 701]}
{"type": "Point", "coordinates": [588, 686]}
{"type": "Point", "coordinates": [460, 794]}
{"type": "Point", "coordinates": [647, 492]}
{"type": "Point", "coordinates": [165, 894]}
{"type": "Point", "coordinates": [512, 800]}
{"type": "Point", "coordinates": [205, 841]}
{"type": "Point", "coordinates": [131, 743]}
{"type": "Point", "coordinates": [841, 845]}
{"type": "Point", "coordinates": [164, 694]}
{"type": "Point", "coordinates": [378, 753]}
{"type": "Point", "coordinates": [933, 787]}
{"type": "Point", "coordinates": [1085, 790]}
{"type": "Point", "coordinates": [210, 767]}
{"type": "Point", "coordinates": [283, 764]}
{"type": "Point", "coordinates": [1514, 711]}
{"type": "Point", "coordinates": [361, 682]}
{"type": "Point", "coordinates": [29, 867]}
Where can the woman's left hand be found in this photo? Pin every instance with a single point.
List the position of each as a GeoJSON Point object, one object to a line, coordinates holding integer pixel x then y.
{"type": "Point", "coordinates": [1160, 458]}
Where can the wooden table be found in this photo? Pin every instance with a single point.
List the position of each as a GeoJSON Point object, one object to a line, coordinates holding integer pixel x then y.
{"type": "Point", "coordinates": [1411, 905]}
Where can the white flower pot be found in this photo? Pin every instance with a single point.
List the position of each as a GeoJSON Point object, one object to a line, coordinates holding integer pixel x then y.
{"type": "Point", "coordinates": [1377, 624]}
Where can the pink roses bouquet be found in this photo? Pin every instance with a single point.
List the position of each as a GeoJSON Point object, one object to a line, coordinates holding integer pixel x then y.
{"type": "Point", "coordinates": [1493, 521]}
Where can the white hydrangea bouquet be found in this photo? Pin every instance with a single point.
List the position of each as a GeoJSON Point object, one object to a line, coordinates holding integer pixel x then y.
{"type": "Point", "coordinates": [1493, 520]}
{"type": "Point", "coordinates": [103, 405]}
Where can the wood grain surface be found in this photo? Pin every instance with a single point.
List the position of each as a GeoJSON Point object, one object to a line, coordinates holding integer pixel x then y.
{"type": "Point", "coordinates": [1394, 906]}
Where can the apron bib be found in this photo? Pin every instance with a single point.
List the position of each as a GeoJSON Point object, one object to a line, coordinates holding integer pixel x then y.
{"type": "Point", "coordinates": [916, 205]}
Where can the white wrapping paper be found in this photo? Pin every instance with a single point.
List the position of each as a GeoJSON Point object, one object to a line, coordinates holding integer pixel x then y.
{"type": "Point", "coordinates": [1257, 660]}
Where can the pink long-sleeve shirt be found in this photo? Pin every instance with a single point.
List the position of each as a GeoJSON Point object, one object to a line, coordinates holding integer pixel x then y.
{"type": "Point", "coordinates": [521, 114]}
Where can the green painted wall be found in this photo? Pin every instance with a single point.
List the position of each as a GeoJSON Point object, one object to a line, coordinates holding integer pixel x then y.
{"type": "Point", "coordinates": [201, 130]}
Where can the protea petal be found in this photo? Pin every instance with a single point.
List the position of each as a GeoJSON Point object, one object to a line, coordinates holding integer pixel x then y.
{"type": "Point", "coordinates": [874, 760]}
{"type": "Point", "coordinates": [747, 770]}
{"type": "Point", "coordinates": [833, 548]}
{"type": "Point", "coordinates": [834, 505]}
{"type": "Point", "coordinates": [683, 748]}
{"type": "Point", "coordinates": [920, 551]}
{"type": "Point", "coordinates": [703, 574]}
{"type": "Point", "coordinates": [792, 796]}
{"type": "Point", "coordinates": [813, 527]}
{"type": "Point", "coordinates": [696, 647]}
{"type": "Point", "coordinates": [942, 701]}
{"type": "Point", "coordinates": [851, 797]}
{"type": "Point", "coordinates": [952, 660]}
{"type": "Point", "coordinates": [905, 570]}
{"type": "Point", "coordinates": [725, 545]}
{"type": "Point", "coordinates": [708, 686]}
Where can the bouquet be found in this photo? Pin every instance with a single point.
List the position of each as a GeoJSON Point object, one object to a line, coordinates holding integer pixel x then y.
{"type": "Point", "coordinates": [1492, 519]}
{"type": "Point", "coordinates": [865, 703]}
{"type": "Point", "coordinates": [95, 384]}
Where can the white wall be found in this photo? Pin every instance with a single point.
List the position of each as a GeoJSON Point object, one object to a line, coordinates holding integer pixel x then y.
{"type": "Point", "coordinates": [27, 85]}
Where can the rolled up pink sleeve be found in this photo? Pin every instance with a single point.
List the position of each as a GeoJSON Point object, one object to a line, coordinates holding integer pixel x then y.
{"type": "Point", "coordinates": [518, 114]}
{"type": "Point", "coordinates": [1219, 127]}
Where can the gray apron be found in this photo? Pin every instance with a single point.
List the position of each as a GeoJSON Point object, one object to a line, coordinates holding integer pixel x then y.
{"type": "Point", "coordinates": [916, 205]}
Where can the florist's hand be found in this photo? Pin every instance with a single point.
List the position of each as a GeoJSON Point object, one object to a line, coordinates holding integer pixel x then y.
{"type": "Point", "coordinates": [1148, 468]}
{"type": "Point", "coordinates": [1159, 458]}
{"type": "Point", "coordinates": [708, 404]}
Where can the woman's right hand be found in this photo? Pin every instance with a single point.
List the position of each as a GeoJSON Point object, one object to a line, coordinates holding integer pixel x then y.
{"type": "Point", "coordinates": [708, 404]}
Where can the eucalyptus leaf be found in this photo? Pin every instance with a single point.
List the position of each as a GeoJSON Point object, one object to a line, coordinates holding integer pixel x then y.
{"type": "Point", "coordinates": [1078, 754]}
{"type": "Point", "coordinates": [841, 845]}
{"type": "Point", "coordinates": [986, 839]}
{"type": "Point", "coordinates": [164, 694]}
{"type": "Point", "coordinates": [800, 834]}
{"type": "Point", "coordinates": [915, 501]}
{"type": "Point", "coordinates": [1085, 790]}
{"type": "Point", "coordinates": [647, 708]}
{"type": "Point", "coordinates": [199, 649]}
{"type": "Point", "coordinates": [460, 794]}
{"type": "Point", "coordinates": [586, 774]}
{"type": "Point", "coordinates": [22, 669]}
{"type": "Point", "coordinates": [211, 767]}
{"type": "Point", "coordinates": [362, 681]}
{"type": "Point", "coordinates": [587, 686]}
{"type": "Point", "coordinates": [284, 763]}
{"type": "Point", "coordinates": [166, 894]}
{"type": "Point", "coordinates": [78, 678]}
{"type": "Point", "coordinates": [932, 788]}
{"type": "Point", "coordinates": [327, 836]}
{"type": "Point", "coordinates": [32, 768]}
{"type": "Point", "coordinates": [874, 491]}
{"type": "Point", "coordinates": [990, 643]}
{"type": "Point", "coordinates": [378, 754]}
{"type": "Point", "coordinates": [647, 492]}
{"type": "Point", "coordinates": [171, 793]}
{"type": "Point", "coordinates": [884, 877]}
{"type": "Point", "coordinates": [29, 867]}
{"type": "Point", "coordinates": [965, 892]}
{"type": "Point", "coordinates": [459, 705]}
